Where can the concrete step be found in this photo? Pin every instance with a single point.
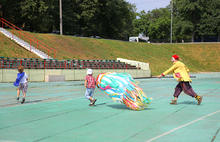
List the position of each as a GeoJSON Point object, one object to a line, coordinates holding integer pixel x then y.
{"type": "Point", "coordinates": [25, 44]}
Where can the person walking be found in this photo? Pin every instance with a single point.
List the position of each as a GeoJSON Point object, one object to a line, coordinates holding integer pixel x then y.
{"type": "Point", "coordinates": [21, 83]}
{"type": "Point", "coordinates": [90, 83]}
{"type": "Point", "coordinates": [181, 73]}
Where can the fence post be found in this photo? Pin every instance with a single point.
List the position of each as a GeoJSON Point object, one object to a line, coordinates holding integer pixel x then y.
{"type": "Point", "coordinates": [21, 62]}
{"type": "Point", "coordinates": [54, 64]}
{"type": "Point", "coordinates": [29, 64]}
{"type": "Point", "coordinates": [65, 64]}
{"type": "Point", "coordinates": [126, 65]}
{"type": "Point", "coordinates": [44, 63]}
{"type": "Point", "coordinates": [83, 64]}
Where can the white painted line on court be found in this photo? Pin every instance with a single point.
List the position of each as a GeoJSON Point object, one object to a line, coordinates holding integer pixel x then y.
{"type": "Point", "coordinates": [181, 126]}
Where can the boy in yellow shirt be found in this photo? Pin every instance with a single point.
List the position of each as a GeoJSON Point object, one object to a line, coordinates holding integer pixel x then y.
{"type": "Point", "coordinates": [181, 73]}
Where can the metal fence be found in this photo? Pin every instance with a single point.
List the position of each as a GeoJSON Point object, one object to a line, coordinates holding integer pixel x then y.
{"type": "Point", "coordinates": [168, 41]}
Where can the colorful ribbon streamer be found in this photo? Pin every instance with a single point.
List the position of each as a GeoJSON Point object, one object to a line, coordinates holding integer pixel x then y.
{"type": "Point", "coordinates": [123, 88]}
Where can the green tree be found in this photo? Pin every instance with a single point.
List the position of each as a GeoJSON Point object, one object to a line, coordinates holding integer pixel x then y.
{"type": "Point", "coordinates": [37, 14]}
{"type": "Point", "coordinates": [207, 25]}
{"type": "Point", "coordinates": [11, 11]}
{"type": "Point", "coordinates": [70, 12]}
{"type": "Point", "coordinates": [90, 14]}
{"type": "Point", "coordinates": [215, 8]}
{"type": "Point", "coordinates": [155, 23]}
{"type": "Point", "coordinates": [141, 25]}
{"type": "Point", "coordinates": [160, 28]}
{"type": "Point", "coordinates": [188, 12]}
{"type": "Point", "coordinates": [108, 18]}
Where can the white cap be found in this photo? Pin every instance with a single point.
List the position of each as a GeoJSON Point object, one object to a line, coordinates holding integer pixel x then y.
{"type": "Point", "coordinates": [89, 71]}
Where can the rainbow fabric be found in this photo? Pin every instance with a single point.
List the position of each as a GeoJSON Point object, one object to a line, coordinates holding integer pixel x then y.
{"type": "Point", "coordinates": [123, 88]}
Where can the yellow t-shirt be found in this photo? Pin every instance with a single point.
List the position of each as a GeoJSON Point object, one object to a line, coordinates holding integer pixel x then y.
{"type": "Point", "coordinates": [180, 71]}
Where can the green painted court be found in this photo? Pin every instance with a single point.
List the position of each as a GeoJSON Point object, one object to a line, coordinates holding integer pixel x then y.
{"type": "Point", "coordinates": [59, 112]}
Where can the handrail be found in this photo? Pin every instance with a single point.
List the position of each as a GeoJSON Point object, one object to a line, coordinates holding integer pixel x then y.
{"type": "Point", "coordinates": [27, 37]}
{"type": "Point", "coordinates": [2, 19]}
{"type": "Point", "coordinates": [29, 34]}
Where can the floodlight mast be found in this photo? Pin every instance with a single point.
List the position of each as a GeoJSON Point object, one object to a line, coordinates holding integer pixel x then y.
{"type": "Point", "coordinates": [61, 22]}
{"type": "Point", "coordinates": [171, 21]}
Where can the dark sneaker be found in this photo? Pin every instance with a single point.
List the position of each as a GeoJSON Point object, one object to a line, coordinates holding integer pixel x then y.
{"type": "Point", "coordinates": [199, 101]}
{"type": "Point", "coordinates": [173, 102]}
{"type": "Point", "coordinates": [93, 101]}
{"type": "Point", "coordinates": [91, 105]}
{"type": "Point", "coordinates": [17, 98]}
{"type": "Point", "coordinates": [23, 100]}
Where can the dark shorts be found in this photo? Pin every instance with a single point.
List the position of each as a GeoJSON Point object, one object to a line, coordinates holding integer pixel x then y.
{"type": "Point", "coordinates": [23, 87]}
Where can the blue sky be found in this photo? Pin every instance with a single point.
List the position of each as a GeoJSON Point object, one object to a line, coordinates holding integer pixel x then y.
{"type": "Point", "coordinates": [149, 4]}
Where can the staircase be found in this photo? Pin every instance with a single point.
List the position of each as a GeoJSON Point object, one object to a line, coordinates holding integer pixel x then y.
{"type": "Point", "coordinates": [25, 44]}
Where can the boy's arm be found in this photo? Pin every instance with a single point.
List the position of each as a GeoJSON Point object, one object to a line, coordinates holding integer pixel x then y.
{"type": "Point", "coordinates": [26, 76]}
{"type": "Point", "coordinates": [85, 83]}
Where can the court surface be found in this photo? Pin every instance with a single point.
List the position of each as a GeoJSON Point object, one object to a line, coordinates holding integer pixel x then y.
{"type": "Point", "coordinates": [59, 112]}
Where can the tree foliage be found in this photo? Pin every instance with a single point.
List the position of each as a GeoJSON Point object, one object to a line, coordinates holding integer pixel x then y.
{"type": "Point", "coordinates": [107, 18]}
{"type": "Point", "coordinates": [190, 18]}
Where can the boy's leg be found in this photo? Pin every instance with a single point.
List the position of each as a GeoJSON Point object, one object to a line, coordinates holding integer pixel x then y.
{"type": "Point", "coordinates": [94, 99]}
{"type": "Point", "coordinates": [18, 94]}
{"type": "Point", "coordinates": [24, 90]}
{"type": "Point", "coordinates": [23, 99]}
{"type": "Point", "coordinates": [91, 99]}
{"type": "Point", "coordinates": [24, 94]}
{"type": "Point", "coordinates": [88, 95]}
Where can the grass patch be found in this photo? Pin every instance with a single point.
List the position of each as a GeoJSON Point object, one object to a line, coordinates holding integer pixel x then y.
{"type": "Point", "coordinates": [198, 57]}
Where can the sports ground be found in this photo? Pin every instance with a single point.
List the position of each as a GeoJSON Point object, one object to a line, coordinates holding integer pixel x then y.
{"type": "Point", "coordinates": [59, 112]}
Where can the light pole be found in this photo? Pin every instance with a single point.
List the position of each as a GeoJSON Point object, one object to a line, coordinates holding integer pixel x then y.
{"type": "Point", "coordinates": [171, 21]}
{"type": "Point", "coordinates": [61, 22]}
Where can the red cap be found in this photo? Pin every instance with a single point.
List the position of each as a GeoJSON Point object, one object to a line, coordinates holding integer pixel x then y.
{"type": "Point", "coordinates": [175, 57]}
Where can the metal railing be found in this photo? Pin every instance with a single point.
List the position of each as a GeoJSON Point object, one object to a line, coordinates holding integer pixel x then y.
{"type": "Point", "coordinates": [28, 38]}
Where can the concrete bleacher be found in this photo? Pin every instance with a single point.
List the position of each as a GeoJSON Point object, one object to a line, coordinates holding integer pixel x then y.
{"type": "Point", "coordinates": [137, 64]}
